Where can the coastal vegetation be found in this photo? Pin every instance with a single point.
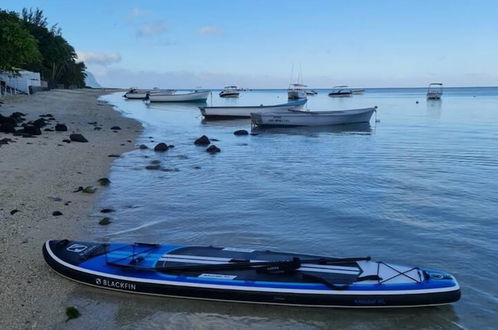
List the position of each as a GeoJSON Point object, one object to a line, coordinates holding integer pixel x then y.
{"type": "Point", "coordinates": [27, 42]}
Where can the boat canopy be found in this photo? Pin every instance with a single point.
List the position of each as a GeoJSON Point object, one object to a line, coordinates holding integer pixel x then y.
{"type": "Point", "coordinates": [435, 88]}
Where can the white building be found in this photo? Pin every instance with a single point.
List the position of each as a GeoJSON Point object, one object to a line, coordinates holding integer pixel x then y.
{"type": "Point", "coordinates": [20, 82]}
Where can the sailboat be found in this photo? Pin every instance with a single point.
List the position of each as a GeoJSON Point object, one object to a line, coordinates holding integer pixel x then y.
{"type": "Point", "coordinates": [297, 90]}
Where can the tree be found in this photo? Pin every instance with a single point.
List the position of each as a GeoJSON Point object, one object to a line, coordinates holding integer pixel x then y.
{"type": "Point", "coordinates": [58, 65]}
{"type": "Point", "coordinates": [17, 46]}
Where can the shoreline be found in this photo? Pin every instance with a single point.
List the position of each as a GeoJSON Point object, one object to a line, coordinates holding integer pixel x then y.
{"type": "Point", "coordinates": [38, 177]}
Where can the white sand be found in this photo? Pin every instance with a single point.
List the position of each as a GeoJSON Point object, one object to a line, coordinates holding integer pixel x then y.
{"type": "Point", "coordinates": [31, 175]}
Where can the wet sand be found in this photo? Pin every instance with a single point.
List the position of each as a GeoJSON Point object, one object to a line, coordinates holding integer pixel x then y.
{"type": "Point", "coordinates": [37, 177]}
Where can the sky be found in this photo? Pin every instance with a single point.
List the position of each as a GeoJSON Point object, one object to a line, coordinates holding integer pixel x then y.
{"type": "Point", "coordinates": [262, 43]}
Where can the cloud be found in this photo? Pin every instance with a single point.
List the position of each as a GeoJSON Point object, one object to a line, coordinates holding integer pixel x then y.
{"type": "Point", "coordinates": [209, 29]}
{"type": "Point", "coordinates": [137, 12]}
{"type": "Point", "coordinates": [98, 57]}
{"type": "Point", "coordinates": [150, 29]}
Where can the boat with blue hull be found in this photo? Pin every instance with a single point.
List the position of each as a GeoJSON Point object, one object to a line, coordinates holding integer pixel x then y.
{"type": "Point", "coordinates": [293, 118]}
{"type": "Point", "coordinates": [250, 276]}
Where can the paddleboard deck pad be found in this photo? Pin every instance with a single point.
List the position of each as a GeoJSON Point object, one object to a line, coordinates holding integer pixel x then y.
{"type": "Point", "coordinates": [246, 275]}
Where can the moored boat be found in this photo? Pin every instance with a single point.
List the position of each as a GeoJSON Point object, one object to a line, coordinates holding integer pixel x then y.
{"type": "Point", "coordinates": [136, 94]}
{"type": "Point", "coordinates": [173, 96]}
{"type": "Point", "coordinates": [250, 276]}
{"type": "Point", "coordinates": [311, 92]}
{"type": "Point", "coordinates": [231, 112]}
{"type": "Point", "coordinates": [230, 91]}
{"type": "Point", "coordinates": [341, 91]}
{"type": "Point", "coordinates": [313, 118]}
{"type": "Point", "coordinates": [296, 91]}
{"type": "Point", "coordinates": [435, 91]}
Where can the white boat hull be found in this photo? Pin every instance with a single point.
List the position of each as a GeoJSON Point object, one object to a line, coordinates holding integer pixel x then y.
{"type": "Point", "coordinates": [313, 118]}
{"type": "Point", "coordinates": [185, 97]}
{"type": "Point", "coordinates": [229, 112]}
{"type": "Point", "coordinates": [136, 96]}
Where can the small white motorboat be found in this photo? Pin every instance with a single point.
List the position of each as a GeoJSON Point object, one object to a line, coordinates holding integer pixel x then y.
{"type": "Point", "coordinates": [230, 91]}
{"type": "Point", "coordinates": [313, 118]}
{"type": "Point", "coordinates": [173, 96]}
{"type": "Point", "coordinates": [435, 91]}
{"type": "Point", "coordinates": [358, 91]}
{"type": "Point", "coordinates": [341, 91]}
{"type": "Point", "coordinates": [296, 91]}
{"type": "Point", "coordinates": [311, 92]}
{"type": "Point", "coordinates": [136, 94]}
{"type": "Point", "coordinates": [234, 112]}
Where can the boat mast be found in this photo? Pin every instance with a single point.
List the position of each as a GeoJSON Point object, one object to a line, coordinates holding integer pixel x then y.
{"type": "Point", "coordinates": [292, 74]}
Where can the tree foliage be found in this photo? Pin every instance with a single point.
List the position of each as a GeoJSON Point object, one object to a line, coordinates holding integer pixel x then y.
{"type": "Point", "coordinates": [17, 45]}
{"type": "Point", "coordinates": [56, 60]}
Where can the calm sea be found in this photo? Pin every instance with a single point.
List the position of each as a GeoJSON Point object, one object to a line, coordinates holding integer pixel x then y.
{"type": "Point", "coordinates": [419, 186]}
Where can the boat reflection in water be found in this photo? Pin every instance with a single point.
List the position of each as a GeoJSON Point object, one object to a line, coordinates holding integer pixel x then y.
{"type": "Point", "coordinates": [350, 129]}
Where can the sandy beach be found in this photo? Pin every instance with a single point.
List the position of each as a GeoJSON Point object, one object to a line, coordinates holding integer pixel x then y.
{"type": "Point", "coordinates": [38, 177]}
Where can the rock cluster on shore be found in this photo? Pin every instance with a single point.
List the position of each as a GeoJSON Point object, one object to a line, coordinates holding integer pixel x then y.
{"type": "Point", "coordinates": [16, 125]}
{"type": "Point", "coordinates": [36, 183]}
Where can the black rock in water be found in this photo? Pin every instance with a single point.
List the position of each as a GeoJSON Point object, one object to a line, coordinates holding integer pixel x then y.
{"type": "Point", "coordinates": [48, 130]}
{"type": "Point", "coordinates": [105, 221]}
{"type": "Point", "coordinates": [143, 146]}
{"type": "Point", "coordinates": [66, 140]}
{"type": "Point", "coordinates": [56, 213]}
{"type": "Point", "coordinates": [241, 132]}
{"type": "Point", "coordinates": [202, 141]}
{"type": "Point", "coordinates": [104, 181]}
{"type": "Point", "coordinates": [14, 211]}
{"type": "Point", "coordinates": [77, 137]}
{"type": "Point", "coordinates": [107, 210]}
{"type": "Point", "coordinates": [115, 128]}
{"type": "Point", "coordinates": [61, 128]}
{"type": "Point", "coordinates": [161, 147]}
{"type": "Point", "coordinates": [153, 167]}
{"type": "Point", "coordinates": [213, 149]}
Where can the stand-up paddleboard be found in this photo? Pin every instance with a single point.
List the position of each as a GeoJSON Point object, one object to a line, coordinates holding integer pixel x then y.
{"type": "Point", "coordinates": [251, 276]}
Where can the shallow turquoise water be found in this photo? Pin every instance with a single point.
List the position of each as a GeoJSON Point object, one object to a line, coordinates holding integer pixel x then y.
{"type": "Point", "coordinates": [418, 187]}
